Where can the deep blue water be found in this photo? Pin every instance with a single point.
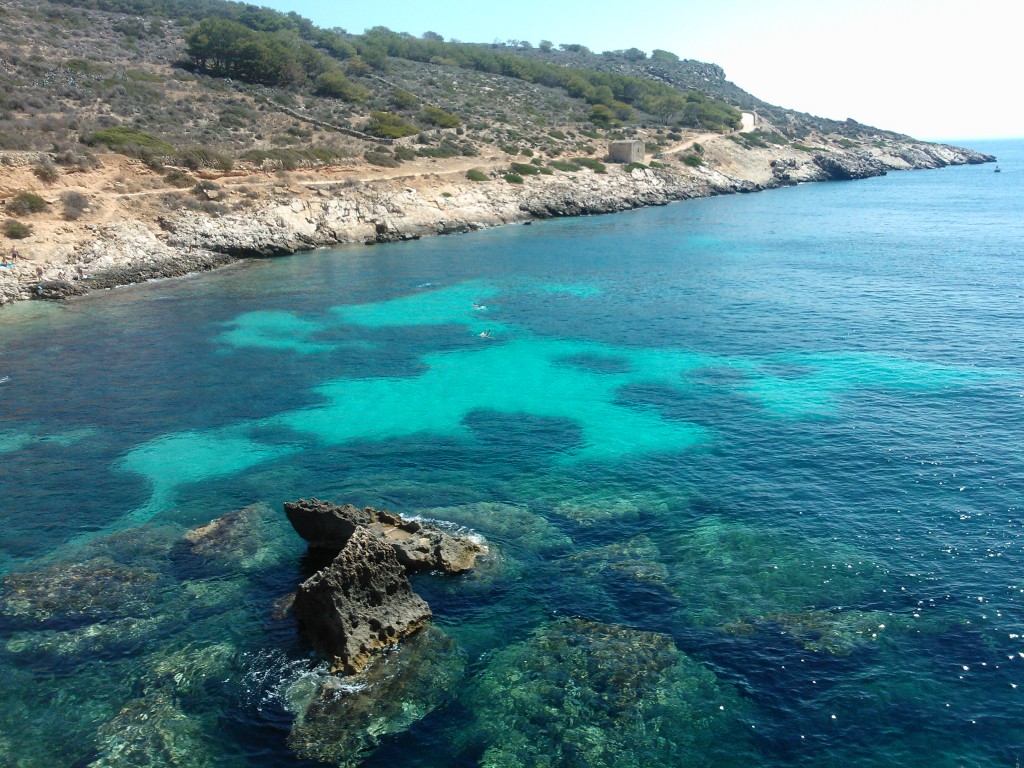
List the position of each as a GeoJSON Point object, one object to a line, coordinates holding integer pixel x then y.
{"type": "Point", "coordinates": [767, 447]}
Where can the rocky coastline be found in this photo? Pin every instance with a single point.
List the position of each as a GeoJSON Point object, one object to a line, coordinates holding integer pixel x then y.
{"type": "Point", "coordinates": [326, 213]}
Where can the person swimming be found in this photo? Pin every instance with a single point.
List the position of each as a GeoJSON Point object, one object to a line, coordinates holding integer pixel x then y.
{"type": "Point", "coordinates": [486, 334]}
{"type": "Point", "coordinates": [478, 306]}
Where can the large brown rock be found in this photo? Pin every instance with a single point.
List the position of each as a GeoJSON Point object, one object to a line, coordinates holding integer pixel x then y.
{"type": "Point", "coordinates": [359, 604]}
{"type": "Point", "coordinates": [418, 547]}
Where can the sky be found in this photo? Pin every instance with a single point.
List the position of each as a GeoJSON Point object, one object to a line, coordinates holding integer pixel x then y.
{"type": "Point", "coordinates": [937, 70]}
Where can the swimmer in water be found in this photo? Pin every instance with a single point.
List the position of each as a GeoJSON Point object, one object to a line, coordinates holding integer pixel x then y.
{"type": "Point", "coordinates": [477, 306]}
{"type": "Point", "coordinates": [486, 334]}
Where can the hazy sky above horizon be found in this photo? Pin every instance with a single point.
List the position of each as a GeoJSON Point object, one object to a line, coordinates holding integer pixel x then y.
{"type": "Point", "coordinates": [935, 70]}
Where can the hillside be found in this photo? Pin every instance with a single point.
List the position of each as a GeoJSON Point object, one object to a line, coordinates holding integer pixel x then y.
{"type": "Point", "coordinates": [149, 137]}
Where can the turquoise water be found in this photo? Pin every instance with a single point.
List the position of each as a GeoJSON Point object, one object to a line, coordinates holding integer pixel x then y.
{"type": "Point", "coordinates": [750, 469]}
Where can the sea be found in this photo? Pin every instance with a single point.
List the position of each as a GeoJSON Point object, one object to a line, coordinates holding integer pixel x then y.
{"type": "Point", "coordinates": [750, 471]}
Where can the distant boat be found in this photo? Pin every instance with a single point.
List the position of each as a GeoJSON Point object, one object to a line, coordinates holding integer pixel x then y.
{"type": "Point", "coordinates": [997, 169]}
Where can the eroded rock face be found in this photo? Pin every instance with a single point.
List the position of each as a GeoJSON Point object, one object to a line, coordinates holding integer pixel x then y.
{"type": "Point", "coordinates": [849, 166]}
{"type": "Point", "coordinates": [418, 547]}
{"type": "Point", "coordinates": [359, 604]}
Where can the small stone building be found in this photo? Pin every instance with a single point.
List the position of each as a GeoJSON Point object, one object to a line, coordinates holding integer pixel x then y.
{"type": "Point", "coordinates": [626, 151]}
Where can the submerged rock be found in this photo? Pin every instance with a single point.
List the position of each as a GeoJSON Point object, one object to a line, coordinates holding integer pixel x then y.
{"type": "Point", "coordinates": [112, 637]}
{"type": "Point", "coordinates": [512, 524]}
{"type": "Point", "coordinates": [418, 547]}
{"type": "Point", "coordinates": [637, 559]}
{"type": "Point", "coordinates": [839, 633]}
{"type": "Point", "coordinates": [186, 670]}
{"type": "Point", "coordinates": [347, 718]}
{"type": "Point", "coordinates": [580, 693]}
{"type": "Point", "coordinates": [724, 572]}
{"type": "Point", "coordinates": [235, 539]}
{"type": "Point", "coordinates": [359, 604]}
{"type": "Point", "coordinates": [153, 732]}
{"type": "Point", "coordinates": [90, 591]}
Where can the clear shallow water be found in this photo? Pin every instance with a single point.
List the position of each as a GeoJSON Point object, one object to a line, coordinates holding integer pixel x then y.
{"type": "Point", "coordinates": [751, 469]}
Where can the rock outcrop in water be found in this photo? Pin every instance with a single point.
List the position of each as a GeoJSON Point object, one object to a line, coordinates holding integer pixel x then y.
{"type": "Point", "coordinates": [359, 604]}
{"type": "Point", "coordinates": [417, 546]}
{"type": "Point", "coordinates": [363, 601]}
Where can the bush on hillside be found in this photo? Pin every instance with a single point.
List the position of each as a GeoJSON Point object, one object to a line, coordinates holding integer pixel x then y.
{"type": "Point", "coordinates": [75, 205]}
{"type": "Point", "coordinates": [126, 140]}
{"type": "Point", "coordinates": [15, 230]}
{"type": "Point", "coordinates": [388, 125]}
{"type": "Point", "coordinates": [439, 118]}
{"type": "Point", "coordinates": [25, 203]}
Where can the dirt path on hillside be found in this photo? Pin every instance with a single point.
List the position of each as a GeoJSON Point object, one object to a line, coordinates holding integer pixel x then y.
{"type": "Point", "coordinates": [702, 138]}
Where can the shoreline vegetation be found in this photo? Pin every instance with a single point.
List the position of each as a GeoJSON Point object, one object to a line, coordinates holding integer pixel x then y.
{"type": "Point", "coordinates": [135, 144]}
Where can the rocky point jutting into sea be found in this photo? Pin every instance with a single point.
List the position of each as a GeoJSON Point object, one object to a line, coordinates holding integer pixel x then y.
{"type": "Point", "coordinates": [293, 216]}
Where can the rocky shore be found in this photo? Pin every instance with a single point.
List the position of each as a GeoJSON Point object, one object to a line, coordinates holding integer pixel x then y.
{"type": "Point", "coordinates": [328, 212]}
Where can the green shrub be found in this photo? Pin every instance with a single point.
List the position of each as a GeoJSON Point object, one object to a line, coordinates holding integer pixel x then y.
{"type": "Point", "coordinates": [753, 139]}
{"type": "Point", "coordinates": [847, 143]}
{"type": "Point", "coordinates": [525, 169]}
{"type": "Point", "coordinates": [402, 99]}
{"type": "Point", "coordinates": [388, 125]}
{"type": "Point", "coordinates": [25, 203]}
{"type": "Point", "coordinates": [512, 178]}
{"type": "Point", "coordinates": [438, 117]}
{"type": "Point", "coordinates": [290, 159]}
{"type": "Point", "coordinates": [556, 135]}
{"type": "Point", "coordinates": [15, 230]}
{"type": "Point", "coordinates": [634, 166]}
{"type": "Point", "coordinates": [656, 164]}
{"type": "Point", "coordinates": [75, 205]}
{"type": "Point", "coordinates": [567, 166]}
{"type": "Point", "coordinates": [195, 158]}
{"type": "Point", "coordinates": [589, 162]}
{"type": "Point", "coordinates": [335, 85]}
{"type": "Point", "coordinates": [204, 186]}
{"type": "Point", "coordinates": [803, 147]}
{"type": "Point", "coordinates": [179, 179]}
{"type": "Point", "coordinates": [474, 174]}
{"type": "Point", "coordinates": [121, 137]}
{"type": "Point", "coordinates": [446, 148]}
{"type": "Point", "coordinates": [601, 115]}
{"type": "Point", "coordinates": [46, 171]}
{"type": "Point", "coordinates": [382, 159]}
{"type": "Point", "coordinates": [773, 137]}
{"type": "Point", "coordinates": [693, 161]}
